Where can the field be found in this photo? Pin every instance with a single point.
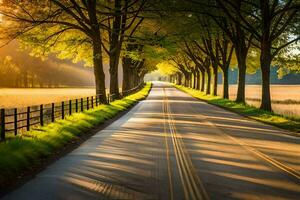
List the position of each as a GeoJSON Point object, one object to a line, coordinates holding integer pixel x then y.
{"type": "Point", "coordinates": [285, 98]}
{"type": "Point", "coordinates": [12, 98]}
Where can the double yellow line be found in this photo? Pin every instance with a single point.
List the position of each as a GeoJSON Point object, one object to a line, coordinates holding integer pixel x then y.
{"type": "Point", "coordinates": [191, 183]}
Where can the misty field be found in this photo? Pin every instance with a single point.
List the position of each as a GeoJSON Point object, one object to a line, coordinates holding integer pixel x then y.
{"type": "Point", "coordinates": [285, 98]}
{"type": "Point", "coordinates": [12, 98]}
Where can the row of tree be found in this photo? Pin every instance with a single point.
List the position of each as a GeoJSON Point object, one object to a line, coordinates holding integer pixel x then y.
{"type": "Point", "coordinates": [197, 37]}
{"type": "Point", "coordinates": [95, 31]}
{"type": "Point", "coordinates": [213, 35]}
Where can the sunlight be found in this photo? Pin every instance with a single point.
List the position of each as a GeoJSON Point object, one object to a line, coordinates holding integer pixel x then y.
{"type": "Point", "coordinates": [277, 183]}
{"type": "Point", "coordinates": [163, 99]}
{"type": "Point", "coordinates": [236, 164]}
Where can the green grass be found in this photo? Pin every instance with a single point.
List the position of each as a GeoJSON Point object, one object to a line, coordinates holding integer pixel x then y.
{"type": "Point", "coordinates": [22, 152]}
{"type": "Point", "coordinates": [284, 122]}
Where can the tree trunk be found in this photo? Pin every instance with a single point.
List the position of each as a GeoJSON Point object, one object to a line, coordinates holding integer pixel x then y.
{"type": "Point", "coordinates": [179, 75]}
{"type": "Point", "coordinates": [98, 68]}
{"type": "Point", "coordinates": [215, 83]}
{"type": "Point", "coordinates": [208, 81]}
{"type": "Point", "coordinates": [186, 81]}
{"type": "Point", "coordinates": [195, 80]}
{"type": "Point", "coordinates": [198, 80]}
{"type": "Point", "coordinates": [265, 62]}
{"type": "Point", "coordinates": [240, 97]}
{"type": "Point", "coordinates": [115, 49]}
{"type": "Point", "coordinates": [126, 65]}
{"type": "Point", "coordinates": [265, 56]}
{"type": "Point", "coordinates": [241, 52]}
{"type": "Point", "coordinates": [190, 80]}
{"type": "Point", "coordinates": [225, 83]}
{"type": "Point", "coordinates": [135, 78]}
{"type": "Point", "coordinates": [202, 80]}
{"type": "Point", "coordinates": [114, 79]}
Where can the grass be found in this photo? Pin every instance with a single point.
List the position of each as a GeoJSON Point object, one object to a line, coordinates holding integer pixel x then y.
{"type": "Point", "coordinates": [284, 122]}
{"type": "Point", "coordinates": [23, 152]}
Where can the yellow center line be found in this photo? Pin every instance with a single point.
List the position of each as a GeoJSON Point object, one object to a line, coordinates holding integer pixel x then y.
{"type": "Point", "coordinates": [192, 186]}
{"type": "Point", "coordinates": [187, 166]}
{"type": "Point", "coordinates": [167, 152]}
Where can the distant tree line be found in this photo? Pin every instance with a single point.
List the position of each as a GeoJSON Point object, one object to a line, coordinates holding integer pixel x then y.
{"type": "Point", "coordinates": [255, 78]}
{"type": "Point", "coordinates": [32, 75]}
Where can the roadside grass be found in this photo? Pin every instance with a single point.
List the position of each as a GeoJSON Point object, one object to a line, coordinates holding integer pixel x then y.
{"type": "Point", "coordinates": [23, 152]}
{"type": "Point", "coordinates": [284, 122]}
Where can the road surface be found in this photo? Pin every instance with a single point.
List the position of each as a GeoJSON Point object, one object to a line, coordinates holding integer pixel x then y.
{"type": "Point", "coordinates": [172, 146]}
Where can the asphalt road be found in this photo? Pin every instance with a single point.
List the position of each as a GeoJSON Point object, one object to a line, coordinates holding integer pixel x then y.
{"type": "Point", "coordinates": [172, 146]}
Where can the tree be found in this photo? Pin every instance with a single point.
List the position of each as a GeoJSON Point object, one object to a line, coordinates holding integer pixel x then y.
{"type": "Point", "coordinates": [272, 25]}
{"type": "Point", "coordinates": [225, 50]}
{"type": "Point", "coordinates": [53, 20]}
{"type": "Point", "coordinates": [125, 16]}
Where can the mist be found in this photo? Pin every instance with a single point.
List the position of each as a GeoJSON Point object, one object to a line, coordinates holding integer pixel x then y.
{"type": "Point", "coordinates": [19, 69]}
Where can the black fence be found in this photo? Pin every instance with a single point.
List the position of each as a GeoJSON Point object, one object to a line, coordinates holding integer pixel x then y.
{"type": "Point", "coordinates": [14, 121]}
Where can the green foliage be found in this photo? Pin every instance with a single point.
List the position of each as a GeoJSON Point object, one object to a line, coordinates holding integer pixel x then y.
{"type": "Point", "coordinates": [71, 44]}
{"type": "Point", "coordinates": [22, 152]}
{"type": "Point", "coordinates": [288, 60]}
{"type": "Point", "coordinates": [252, 61]}
{"type": "Point", "coordinates": [166, 68]}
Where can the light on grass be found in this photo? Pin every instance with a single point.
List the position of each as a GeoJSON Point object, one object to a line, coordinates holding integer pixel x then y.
{"type": "Point", "coordinates": [22, 152]}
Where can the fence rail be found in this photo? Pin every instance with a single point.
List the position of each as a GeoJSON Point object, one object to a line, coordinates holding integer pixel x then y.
{"type": "Point", "coordinates": [14, 121]}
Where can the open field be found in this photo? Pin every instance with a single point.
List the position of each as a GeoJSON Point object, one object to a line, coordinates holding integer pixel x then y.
{"type": "Point", "coordinates": [271, 118]}
{"type": "Point", "coordinates": [12, 98]}
{"type": "Point", "coordinates": [285, 98]}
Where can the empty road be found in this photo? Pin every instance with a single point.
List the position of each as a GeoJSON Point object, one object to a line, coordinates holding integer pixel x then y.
{"type": "Point", "coordinates": [172, 146]}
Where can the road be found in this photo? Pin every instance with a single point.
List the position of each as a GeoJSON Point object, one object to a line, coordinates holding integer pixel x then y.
{"type": "Point", "coordinates": [172, 146]}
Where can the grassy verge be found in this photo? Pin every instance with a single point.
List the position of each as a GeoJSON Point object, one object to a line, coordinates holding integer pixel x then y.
{"type": "Point", "coordinates": [271, 118]}
{"type": "Point", "coordinates": [22, 152]}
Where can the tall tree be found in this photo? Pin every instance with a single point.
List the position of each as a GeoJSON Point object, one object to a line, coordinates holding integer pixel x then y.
{"type": "Point", "coordinates": [225, 51]}
{"type": "Point", "coordinates": [126, 15]}
{"type": "Point", "coordinates": [54, 19]}
{"type": "Point", "coordinates": [272, 24]}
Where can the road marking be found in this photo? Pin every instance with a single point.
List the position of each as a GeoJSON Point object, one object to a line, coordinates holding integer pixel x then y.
{"type": "Point", "coordinates": [261, 155]}
{"type": "Point", "coordinates": [167, 151]}
{"type": "Point", "coordinates": [192, 185]}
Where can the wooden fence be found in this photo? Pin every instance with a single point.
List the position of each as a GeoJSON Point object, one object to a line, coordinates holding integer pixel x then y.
{"type": "Point", "coordinates": [14, 121]}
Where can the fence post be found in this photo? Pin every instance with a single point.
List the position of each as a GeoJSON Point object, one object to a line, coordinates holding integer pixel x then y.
{"type": "Point", "coordinates": [42, 115]}
{"type": "Point", "coordinates": [16, 121]}
{"type": "Point", "coordinates": [2, 121]}
{"type": "Point", "coordinates": [70, 107]}
{"type": "Point", "coordinates": [87, 103]}
{"type": "Point", "coordinates": [92, 101]}
{"type": "Point", "coordinates": [28, 118]}
{"type": "Point", "coordinates": [52, 112]}
{"type": "Point", "coordinates": [81, 103]}
{"type": "Point", "coordinates": [96, 100]}
{"type": "Point", "coordinates": [76, 105]}
{"type": "Point", "coordinates": [62, 110]}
